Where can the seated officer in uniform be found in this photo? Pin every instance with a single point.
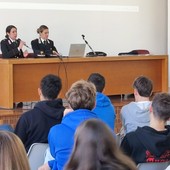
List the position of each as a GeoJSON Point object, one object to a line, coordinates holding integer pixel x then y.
{"type": "Point", "coordinates": [43, 45]}
{"type": "Point", "coordinates": [11, 47]}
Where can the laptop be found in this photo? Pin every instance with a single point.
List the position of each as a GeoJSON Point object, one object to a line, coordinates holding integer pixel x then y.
{"type": "Point", "coordinates": [77, 50]}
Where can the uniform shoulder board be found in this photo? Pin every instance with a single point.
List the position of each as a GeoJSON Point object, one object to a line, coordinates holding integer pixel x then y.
{"type": "Point", "coordinates": [4, 39]}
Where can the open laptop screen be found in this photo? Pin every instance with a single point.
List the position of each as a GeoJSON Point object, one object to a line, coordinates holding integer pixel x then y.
{"type": "Point", "coordinates": [77, 50]}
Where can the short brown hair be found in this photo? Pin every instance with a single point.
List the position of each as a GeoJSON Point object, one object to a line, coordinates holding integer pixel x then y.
{"type": "Point", "coordinates": [81, 95]}
{"type": "Point", "coordinates": [143, 85]}
{"type": "Point", "coordinates": [98, 80]}
{"type": "Point", "coordinates": [161, 106]}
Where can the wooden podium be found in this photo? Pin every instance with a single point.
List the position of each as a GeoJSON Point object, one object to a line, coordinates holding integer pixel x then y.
{"type": "Point", "coordinates": [20, 78]}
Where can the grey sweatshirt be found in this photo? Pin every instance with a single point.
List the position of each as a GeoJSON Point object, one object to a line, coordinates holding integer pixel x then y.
{"type": "Point", "coordinates": [135, 114]}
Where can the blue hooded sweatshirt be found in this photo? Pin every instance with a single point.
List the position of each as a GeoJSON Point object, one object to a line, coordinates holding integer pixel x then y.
{"type": "Point", "coordinates": [61, 137]}
{"type": "Point", "coordinates": [105, 110]}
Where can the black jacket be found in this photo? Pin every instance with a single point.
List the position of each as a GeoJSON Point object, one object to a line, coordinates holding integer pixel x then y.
{"type": "Point", "coordinates": [147, 145]}
{"type": "Point", "coordinates": [40, 48]}
{"type": "Point", "coordinates": [10, 49]}
{"type": "Point", "coordinates": [34, 125]}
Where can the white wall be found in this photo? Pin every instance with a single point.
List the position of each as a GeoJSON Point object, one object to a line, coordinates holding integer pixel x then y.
{"type": "Point", "coordinates": [108, 31]}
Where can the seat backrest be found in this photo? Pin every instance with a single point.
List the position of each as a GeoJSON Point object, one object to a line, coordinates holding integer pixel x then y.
{"type": "Point", "coordinates": [36, 155]}
{"type": "Point", "coordinates": [153, 166]}
{"type": "Point", "coordinates": [118, 139]}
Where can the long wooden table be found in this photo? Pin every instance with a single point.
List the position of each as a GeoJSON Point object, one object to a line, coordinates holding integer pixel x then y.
{"type": "Point", "coordinates": [20, 78]}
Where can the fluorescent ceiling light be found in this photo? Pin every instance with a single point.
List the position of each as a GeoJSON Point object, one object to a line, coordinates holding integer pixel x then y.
{"type": "Point", "coordinates": [67, 7]}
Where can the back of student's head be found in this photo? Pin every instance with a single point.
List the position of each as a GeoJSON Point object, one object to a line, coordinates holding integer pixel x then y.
{"type": "Point", "coordinates": [81, 95]}
{"type": "Point", "coordinates": [161, 106]}
{"type": "Point", "coordinates": [12, 152]}
{"type": "Point", "coordinates": [98, 80]}
{"type": "Point", "coordinates": [50, 86]}
{"type": "Point", "coordinates": [143, 85]}
{"type": "Point", "coordinates": [95, 148]}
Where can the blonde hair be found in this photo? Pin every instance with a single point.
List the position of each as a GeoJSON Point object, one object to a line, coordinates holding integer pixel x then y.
{"type": "Point", "coordinates": [12, 152]}
{"type": "Point", "coordinates": [81, 95]}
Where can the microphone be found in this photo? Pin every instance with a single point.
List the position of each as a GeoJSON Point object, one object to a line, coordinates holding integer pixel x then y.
{"type": "Point", "coordinates": [83, 36]}
{"type": "Point", "coordinates": [24, 44]}
{"type": "Point", "coordinates": [27, 46]}
{"type": "Point", "coordinates": [92, 54]}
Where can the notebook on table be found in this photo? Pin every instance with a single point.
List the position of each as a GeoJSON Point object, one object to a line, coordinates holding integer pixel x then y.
{"type": "Point", "coordinates": [77, 50]}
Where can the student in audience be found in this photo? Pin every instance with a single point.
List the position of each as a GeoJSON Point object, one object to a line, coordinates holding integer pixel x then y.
{"type": "Point", "coordinates": [12, 152]}
{"type": "Point", "coordinates": [136, 113]}
{"type": "Point", "coordinates": [151, 143]}
{"type": "Point", "coordinates": [6, 127]}
{"type": "Point", "coordinates": [11, 47]}
{"type": "Point", "coordinates": [96, 149]}
{"type": "Point", "coordinates": [81, 98]}
{"type": "Point", "coordinates": [43, 45]}
{"type": "Point", "coordinates": [34, 125]}
{"type": "Point", "coordinates": [104, 109]}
